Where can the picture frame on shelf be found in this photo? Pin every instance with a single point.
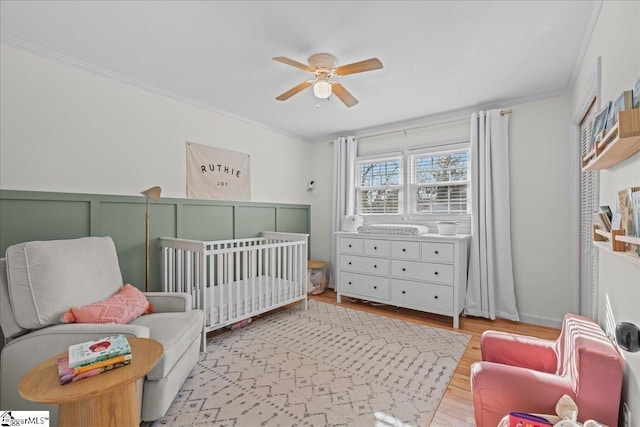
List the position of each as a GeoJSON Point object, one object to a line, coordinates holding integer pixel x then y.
{"type": "Point", "coordinates": [636, 94]}
{"type": "Point", "coordinates": [615, 221]}
{"type": "Point", "coordinates": [599, 126]}
{"type": "Point", "coordinates": [635, 200]}
{"type": "Point", "coordinates": [627, 217]}
{"type": "Point", "coordinates": [624, 102]}
{"type": "Point", "coordinates": [606, 209]}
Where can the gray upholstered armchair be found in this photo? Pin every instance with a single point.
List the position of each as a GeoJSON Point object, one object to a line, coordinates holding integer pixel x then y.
{"type": "Point", "coordinates": [41, 280]}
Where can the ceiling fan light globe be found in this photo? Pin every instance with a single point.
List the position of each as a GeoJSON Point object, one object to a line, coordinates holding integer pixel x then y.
{"type": "Point", "coordinates": [322, 89]}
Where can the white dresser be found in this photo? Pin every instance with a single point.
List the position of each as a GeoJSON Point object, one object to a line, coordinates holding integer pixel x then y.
{"type": "Point", "coordinates": [427, 273]}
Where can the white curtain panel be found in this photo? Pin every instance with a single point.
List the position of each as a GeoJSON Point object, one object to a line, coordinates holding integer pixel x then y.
{"type": "Point", "coordinates": [345, 150]}
{"type": "Point", "coordinates": [490, 289]}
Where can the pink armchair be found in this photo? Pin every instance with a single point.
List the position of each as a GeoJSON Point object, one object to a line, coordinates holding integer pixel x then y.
{"type": "Point", "coordinates": [526, 374]}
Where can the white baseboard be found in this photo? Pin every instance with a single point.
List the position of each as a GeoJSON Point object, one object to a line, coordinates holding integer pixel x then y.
{"type": "Point", "coordinates": [542, 321]}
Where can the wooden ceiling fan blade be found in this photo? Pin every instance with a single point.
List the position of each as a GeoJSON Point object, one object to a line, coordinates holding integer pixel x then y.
{"type": "Point", "coordinates": [343, 94]}
{"type": "Point", "coordinates": [359, 67]}
{"type": "Point", "coordinates": [293, 63]}
{"type": "Point", "coordinates": [288, 94]}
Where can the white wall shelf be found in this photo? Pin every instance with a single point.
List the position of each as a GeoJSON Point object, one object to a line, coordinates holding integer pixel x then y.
{"type": "Point", "coordinates": [631, 257]}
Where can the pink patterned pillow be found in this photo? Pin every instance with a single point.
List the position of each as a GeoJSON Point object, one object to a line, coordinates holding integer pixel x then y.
{"type": "Point", "coordinates": [122, 307]}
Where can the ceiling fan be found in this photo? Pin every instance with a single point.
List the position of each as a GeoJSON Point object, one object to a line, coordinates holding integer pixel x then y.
{"type": "Point", "coordinates": [323, 67]}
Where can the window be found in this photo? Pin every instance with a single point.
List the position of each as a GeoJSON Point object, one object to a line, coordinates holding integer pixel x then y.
{"type": "Point", "coordinates": [379, 186]}
{"type": "Point", "coordinates": [440, 182]}
{"type": "Point", "coordinates": [415, 183]}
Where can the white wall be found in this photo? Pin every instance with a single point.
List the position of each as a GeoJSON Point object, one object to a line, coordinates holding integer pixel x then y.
{"type": "Point", "coordinates": [616, 40]}
{"type": "Point", "coordinates": [69, 130]}
{"type": "Point", "coordinates": [540, 199]}
{"type": "Point", "coordinates": [321, 200]}
{"type": "Point", "coordinates": [540, 209]}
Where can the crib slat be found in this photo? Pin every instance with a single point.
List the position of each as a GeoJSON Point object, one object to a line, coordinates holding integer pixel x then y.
{"type": "Point", "coordinates": [291, 265]}
{"type": "Point", "coordinates": [220, 280]}
{"type": "Point", "coordinates": [261, 275]}
{"type": "Point", "coordinates": [228, 283]}
{"type": "Point", "coordinates": [245, 279]}
{"type": "Point", "coordinates": [274, 278]}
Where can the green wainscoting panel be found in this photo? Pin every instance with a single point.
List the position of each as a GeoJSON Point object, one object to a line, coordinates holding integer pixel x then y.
{"type": "Point", "coordinates": [202, 222]}
{"type": "Point", "coordinates": [126, 224]}
{"type": "Point", "coordinates": [34, 215]}
{"type": "Point", "coordinates": [293, 219]}
{"type": "Point", "coordinates": [27, 220]}
{"type": "Point", "coordinates": [162, 223]}
{"type": "Point", "coordinates": [252, 220]}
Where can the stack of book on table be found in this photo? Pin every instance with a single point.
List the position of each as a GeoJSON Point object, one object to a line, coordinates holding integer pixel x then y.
{"type": "Point", "coordinates": [94, 357]}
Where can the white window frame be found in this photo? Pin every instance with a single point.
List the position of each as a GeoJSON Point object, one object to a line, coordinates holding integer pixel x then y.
{"type": "Point", "coordinates": [401, 180]}
{"type": "Point", "coordinates": [407, 186]}
{"type": "Point", "coordinates": [412, 185]}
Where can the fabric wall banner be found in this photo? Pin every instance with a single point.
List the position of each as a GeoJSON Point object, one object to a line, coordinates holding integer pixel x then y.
{"type": "Point", "coordinates": [215, 173]}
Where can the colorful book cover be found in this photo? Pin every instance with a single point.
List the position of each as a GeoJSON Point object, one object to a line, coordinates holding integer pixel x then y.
{"type": "Point", "coordinates": [90, 352]}
{"type": "Point", "coordinates": [123, 358]}
{"type": "Point", "coordinates": [67, 374]}
{"type": "Point", "coordinates": [627, 218]}
{"type": "Point", "coordinates": [635, 199]}
{"type": "Point", "coordinates": [521, 419]}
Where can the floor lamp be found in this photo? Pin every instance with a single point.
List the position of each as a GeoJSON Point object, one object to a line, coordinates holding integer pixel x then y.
{"type": "Point", "coordinates": [154, 194]}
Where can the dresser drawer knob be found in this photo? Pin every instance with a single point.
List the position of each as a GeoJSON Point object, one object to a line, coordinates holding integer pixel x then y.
{"type": "Point", "coordinates": [404, 250]}
{"type": "Point", "coordinates": [403, 292]}
{"type": "Point", "coordinates": [436, 297]}
{"type": "Point", "coordinates": [404, 269]}
{"type": "Point", "coordinates": [375, 266]}
{"type": "Point", "coordinates": [436, 252]}
{"type": "Point", "coordinates": [349, 282]}
{"type": "Point", "coordinates": [349, 262]}
{"type": "Point", "coordinates": [375, 287]}
{"type": "Point", "coordinates": [436, 273]}
{"type": "Point", "coordinates": [349, 245]}
{"type": "Point", "coordinates": [375, 248]}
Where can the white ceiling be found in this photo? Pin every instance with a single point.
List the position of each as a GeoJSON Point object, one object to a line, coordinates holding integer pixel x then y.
{"type": "Point", "coordinates": [438, 56]}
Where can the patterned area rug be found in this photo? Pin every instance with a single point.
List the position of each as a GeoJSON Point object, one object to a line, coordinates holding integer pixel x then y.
{"type": "Point", "coordinates": [327, 366]}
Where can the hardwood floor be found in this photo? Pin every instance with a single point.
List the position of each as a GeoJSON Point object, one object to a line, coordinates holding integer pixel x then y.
{"type": "Point", "coordinates": [455, 409]}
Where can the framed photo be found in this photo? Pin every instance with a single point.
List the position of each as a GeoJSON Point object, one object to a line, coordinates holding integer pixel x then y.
{"type": "Point", "coordinates": [607, 210]}
{"type": "Point", "coordinates": [636, 94]}
{"type": "Point", "coordinates": [615, 221]}
{"type": "Point", "coordinates": [599, 126]}
{"type": "Point", "coordinates": [624, 102]}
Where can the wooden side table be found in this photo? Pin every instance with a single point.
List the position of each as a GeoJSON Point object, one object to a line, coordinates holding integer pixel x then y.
{"type": "Point", "coordinates": [314, 264]}
{"type": "Point", "coordinates": [107, 399]}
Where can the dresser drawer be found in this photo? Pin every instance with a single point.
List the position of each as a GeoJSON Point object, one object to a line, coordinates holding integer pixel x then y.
{"type": "Point", "coordinates": [424, 271]}
{"type": "Point", "coordinates": [422, 295]}
{"type": "Point", "coordinates": [405, 250]}
{"type": "Point", "coordinates": [364, 264]}
{"type": "Point", "coordinates": [365, 286]}
{"type": "Point", "coordinates": [350, 246]}
{"type": "Point", "coordinates": [437, 252]}
{"type": "Point", "coordinates": [376, 247]}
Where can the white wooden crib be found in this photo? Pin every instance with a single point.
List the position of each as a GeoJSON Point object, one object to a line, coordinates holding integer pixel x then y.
{"type": "Point", "coordinates": [233, 280]}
